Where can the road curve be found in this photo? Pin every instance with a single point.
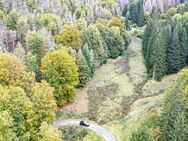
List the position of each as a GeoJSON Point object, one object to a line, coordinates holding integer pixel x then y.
{"type": "Point", "coordinates": [98, 129]}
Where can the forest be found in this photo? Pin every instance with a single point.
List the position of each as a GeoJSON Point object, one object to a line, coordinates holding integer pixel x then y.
{"type": "Point", "coordinates": [120, 65]}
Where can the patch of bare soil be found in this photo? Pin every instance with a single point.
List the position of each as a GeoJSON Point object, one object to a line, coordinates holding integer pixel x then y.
{"type": "Point", "coordinates": [123, 65]}
{"type": "Point", "coordinates": [96, 95]}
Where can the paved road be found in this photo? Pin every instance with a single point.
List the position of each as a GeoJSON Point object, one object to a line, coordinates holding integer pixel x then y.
{"type": "Point", "coordinates": [103, 132]}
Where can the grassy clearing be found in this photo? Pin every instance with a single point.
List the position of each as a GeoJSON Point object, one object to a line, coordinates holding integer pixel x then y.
{"type": "Point", "coordinates": [140, 110]}
{"type": "Point", "coordinates": [91, 136]}
{"type": "Point", "coordinates": [115, 98]}
{"type": "Point", "coordinates": [153, 87]}
{"type": "Point", "coordinates": [136, 62]}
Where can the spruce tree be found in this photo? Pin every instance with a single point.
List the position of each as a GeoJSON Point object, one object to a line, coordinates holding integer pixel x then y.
{"type": "Point", "coordinates": [147, 49]}
{"type": "Point", "coordinates": [36, 45]}
{"type": "Point", "coordinates": [172, 120]}
{"type": "Point", "coordinates": [125, 10]}
{"type": "Point", "coordinates": [113, 45]}
{"type": "Point", "coordinates": [140, 20]}
{"type": "Point", "coordinates": [157, 58]}
{"type": "Point", "coordinates": [133, 11]}
{"type": "Point", "coordinates": [105, 34]}
{"type": "Point", "coordinates": [142, 134]}
{"type": "Point", "coordinates": [92, 55]}
{"type": "Point", "coordinates": [147, 37]}
{"type": "Point", "coordinates": [179, 131]}
{"type": "Point", "coordinates": [89, 58]}
{"type": "Point", "coordinates": [126, 21]}
{"type": "Point", "coordinates": [174, 52]}
{"type": "Point", "coordinates": [184, 47]}
{"type": "Point", "coordinates": [83, 69]}
{"type": "Point", "coordinates": [155, 14]}
{"type": "Point", "coordinates": [182, 1]}
{"type": "Point", "coordinates": [94, 41]}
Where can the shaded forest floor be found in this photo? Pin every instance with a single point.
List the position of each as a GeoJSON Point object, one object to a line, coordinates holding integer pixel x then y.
{"type": "Point", "coordinates": [119, 96]}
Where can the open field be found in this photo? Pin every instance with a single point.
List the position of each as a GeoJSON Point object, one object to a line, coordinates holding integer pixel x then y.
{"type": "Point", "coordinates": [119, 96]}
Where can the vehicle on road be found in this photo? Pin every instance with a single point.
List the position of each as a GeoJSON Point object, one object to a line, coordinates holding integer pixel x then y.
{"type": "Point", "coordinates": [84, 123]}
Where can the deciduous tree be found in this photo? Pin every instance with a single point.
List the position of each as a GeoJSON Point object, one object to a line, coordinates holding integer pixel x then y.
{"type": "Point", "coordinates": [60, 71]}
{"type": "Point", "coordinates": [14, 73]}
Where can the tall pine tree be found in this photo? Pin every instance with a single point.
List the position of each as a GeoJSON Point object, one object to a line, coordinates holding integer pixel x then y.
{"type": "Point", "coordinates": [88, 54]}
{"type": "Point", "coordinates": [176, 52]}
{"type": "Point", "coordinates": [133, 12]}
{"type": "Point", "coordinates": [184, 47]}
{"type": "Point", "coordinates": [157, 57]}
{"type": "Point", "coordinates": [173, 122]}
{"type": "Point", "coordinates": [147, 37]}
{"type": "Point", "coordinates": [83, 69]}
{"type": "Point", "coordinates": [140, 20]}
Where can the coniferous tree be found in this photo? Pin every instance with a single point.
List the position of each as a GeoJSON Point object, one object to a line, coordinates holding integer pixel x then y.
{"type": "Point", "coordinates": [126, 21]}
{"type": "Point", "coordinates": [89, 58]}
{"type": "Point", "coordinates": [179, 132]}
{"type": "Point", "coordinates": [182, 1]}
{"type": "Point", "coordinates": [94, 41]}
{"type": "Point", "coordinates": [105, 34]}
{"type": "Point", "coordinates": [125, 10]}
{"type": "Point", "coordinates": [92, 55]}
{"type": "Point", "coordinates": [140, 20]}
{"type": "Point", "coordinates": [174, 51]}
{"type": "Point", "coordinates": [148, 47]}
{"type": "Point", "coordinates": [172, 119]}
{"type": "Point", "coordinates": [147, 37]}
{"type": "Point", "coordinates": [155, 14]}
{"type": "Point", "coordinates": [142, 134]}
{"type": "Point", "coordinates": [133, 11]}
{"type": "Point", "coordinates": [35, 43]}
{"type": "Point", "coordinates": [83, 69]}
{"type": "Point", "coordinates": [156, 61]}
{"type": "Point", "coordinates": [118, 44]}
{"type": "Point", "coordinates": [184, 47]}
{"type": "Point", "coordinates": [136, 12]}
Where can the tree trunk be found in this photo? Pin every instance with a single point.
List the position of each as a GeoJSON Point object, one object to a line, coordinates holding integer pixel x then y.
{"type": "Point", "coordinates": [154, 69]}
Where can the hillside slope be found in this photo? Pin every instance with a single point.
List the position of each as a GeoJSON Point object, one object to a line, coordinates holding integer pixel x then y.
{"type": "Point", "coordinates": [161, 4]}
{"type": "Point", "coordinates": [118, 98]}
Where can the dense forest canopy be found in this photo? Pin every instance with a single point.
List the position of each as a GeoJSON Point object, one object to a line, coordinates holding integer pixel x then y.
{"type": "Point", "coordinates": [50, 49]}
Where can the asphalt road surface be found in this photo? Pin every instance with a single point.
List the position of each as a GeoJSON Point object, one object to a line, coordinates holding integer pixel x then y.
{"type": "Point", "coordinates": [101, 131]}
